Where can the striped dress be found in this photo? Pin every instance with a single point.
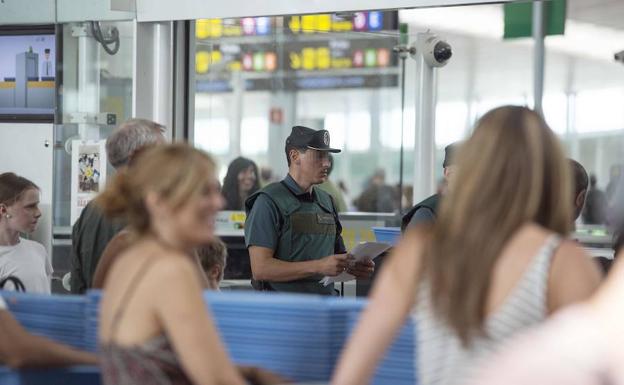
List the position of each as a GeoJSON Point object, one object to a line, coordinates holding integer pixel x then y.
{"type": "Point", "coordinates": [441, 358]}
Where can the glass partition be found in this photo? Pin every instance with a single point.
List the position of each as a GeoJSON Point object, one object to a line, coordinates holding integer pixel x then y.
{"type": "Point", "coordinates": [95, 95]}
{"type": "Point", "coordinates": [256, 77]}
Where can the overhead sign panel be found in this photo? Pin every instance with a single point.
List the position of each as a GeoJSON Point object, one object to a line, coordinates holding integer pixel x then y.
{"type": "Point", "coordinates": [159, 10]}
{"type": "Point", "coordinates": [519, 19]}
{"type": "Point", "coordinates": [299, 52]}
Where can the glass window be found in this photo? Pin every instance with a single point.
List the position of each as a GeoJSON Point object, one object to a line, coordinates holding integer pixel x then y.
{"type": "Point", "coordinates": [254, 136]}
{"type": "Point", "coordinates": [213, 135]}
{"type": "Point", "coordinates": [390, 133]}
{"type": "Point", "coordinates": [451, 119]}
{"type": "Point", "coordinates": [340, 72]}
{"type": "Point", "coordinates": [94, 82]}
{"type": "Point", "coordinates": [599, 110]}
{"type": "Point", "coordinates": [258, 77]}
{"type": "Point", "coordinates": [358, 131]}
{"type": "Point", "coordinates": [336, 124]}
{"type": "Point", "coordinates": [555, 108]}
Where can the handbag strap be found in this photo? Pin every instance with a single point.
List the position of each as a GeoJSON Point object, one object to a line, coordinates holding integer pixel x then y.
{"type": "Point", "coordinates": [17, 283]}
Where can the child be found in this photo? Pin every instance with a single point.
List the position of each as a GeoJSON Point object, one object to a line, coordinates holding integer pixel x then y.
{"type": "Point", "coordinates": [19, 213]}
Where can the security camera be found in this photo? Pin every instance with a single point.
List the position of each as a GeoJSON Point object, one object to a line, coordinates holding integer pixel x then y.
{"type": "Point", "coordinates": [436, 51]}
{"type": "Point", "coordinates": [619, 56]}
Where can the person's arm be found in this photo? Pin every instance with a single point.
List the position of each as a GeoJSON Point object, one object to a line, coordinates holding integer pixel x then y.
{"type": "Point", "coordinates": [20, 349]}
{"type": "Point", "coordinates": [573, 277]}
{"type": "Point", "coordinates": [113, 249]}
{"type": "Point", "coordinates": [391, 300]}
{"type": "Point", "coordinates": [186, 321]}
{"type": "Point", "coordinates": [77, 281]}
{"type": "Point", "coordinates": [265, 267]}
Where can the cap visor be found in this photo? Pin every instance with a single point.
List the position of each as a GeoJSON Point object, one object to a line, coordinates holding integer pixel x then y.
{"type": "Point", "coordinates": [334, 150]}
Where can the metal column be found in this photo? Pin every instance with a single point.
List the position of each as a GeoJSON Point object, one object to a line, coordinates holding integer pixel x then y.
{"type": "Point", "coordinates": [235, 113]}
{"type": "Point", "coordinates": [424, 146]}
{"type": "Point", "coordinates": [286, 102]}
{"type": "Point", "coordinates": [539, 55]}
{"type": "Point", "coordinates": [152, 87]}
{"type": "Point", "coordinates": [88, 81]}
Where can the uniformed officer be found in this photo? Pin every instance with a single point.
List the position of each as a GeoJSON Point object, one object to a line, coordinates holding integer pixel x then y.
{"type": "Point", "coordinates": [292, 229]}
{"type": "Point", "coordinates": [425, 211]}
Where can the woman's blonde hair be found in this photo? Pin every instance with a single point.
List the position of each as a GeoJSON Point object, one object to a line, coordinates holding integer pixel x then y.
{"type": "Point", "coordinates": [176, 172]}
{"type": "Point", "coordinates": [511, 171]}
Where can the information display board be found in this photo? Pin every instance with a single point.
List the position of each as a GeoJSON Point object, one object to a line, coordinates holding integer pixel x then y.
{"type": "Point", "coordinates": [27, 73]}
{"type": "Point", "coordinates": [321, 51]}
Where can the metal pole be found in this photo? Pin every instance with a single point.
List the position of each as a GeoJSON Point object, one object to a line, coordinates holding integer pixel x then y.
{"type": "Point", "coordinates": [236, 113]}
{"type": "Point", "coordinates": [402, 150]}
{"type": "Point", "coordinates": [424, 181]}
{"type": "Point", "coordinates": [539, 54]}
{"type": "Point", "coordinates": [88, 82]}
{"type": "Point", "coordinates": [403, 51]}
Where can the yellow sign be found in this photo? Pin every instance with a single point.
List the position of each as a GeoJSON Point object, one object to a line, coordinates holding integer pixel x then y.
{"type": "Point", "coordinates": [204, 59]}
{"type": "Point", "coordinates": [311, 59]}
{"type": "Point", "coordinates": [318, 23]}
{"type": "Point", "coordinates": [238, 217]}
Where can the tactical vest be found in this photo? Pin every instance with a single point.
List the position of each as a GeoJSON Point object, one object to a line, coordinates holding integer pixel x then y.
{"type": "Point", "coordinates": [431, 203]}
{"type": "Point", "coordinates": [308, 231]}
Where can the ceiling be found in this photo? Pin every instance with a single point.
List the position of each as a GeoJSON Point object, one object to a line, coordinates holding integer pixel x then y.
{"type": "Point", "coordinates": [606, 13]}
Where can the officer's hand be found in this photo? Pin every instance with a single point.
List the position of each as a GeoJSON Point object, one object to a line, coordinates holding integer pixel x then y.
{"type": "Point", "coordinates": [333, 264]}
{"type": "Point", "coordinates": [361, 269]}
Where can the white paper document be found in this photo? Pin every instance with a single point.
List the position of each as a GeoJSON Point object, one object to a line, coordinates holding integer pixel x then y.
{"type": "Point", "coordinates": [365, 250]}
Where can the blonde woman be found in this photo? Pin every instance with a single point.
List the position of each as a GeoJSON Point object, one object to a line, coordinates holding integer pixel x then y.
{"type": "Point", "coordinates": [154, 326]}
{"type": "Point", "coordinates": [496, 262]}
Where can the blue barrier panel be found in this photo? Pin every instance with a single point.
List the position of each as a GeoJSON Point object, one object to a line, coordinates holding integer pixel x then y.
{"type": "Point", "coordinates": [59, 317]}
{"type": "Point", "coordinates": [389, 235]}
{"type": "Point", "coordinates": [75, 375]}
{"type": "Point", "coordinates": [297, 336]}
{"type": "Point", "coordinates": [398, 366]}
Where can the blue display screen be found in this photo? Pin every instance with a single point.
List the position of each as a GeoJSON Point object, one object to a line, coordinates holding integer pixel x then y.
{"type": "Point", "coordinates": [27, 73]}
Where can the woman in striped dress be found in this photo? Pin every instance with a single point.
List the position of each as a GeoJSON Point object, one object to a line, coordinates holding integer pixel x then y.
{"type": "Point", "coordinates": [496, 262]}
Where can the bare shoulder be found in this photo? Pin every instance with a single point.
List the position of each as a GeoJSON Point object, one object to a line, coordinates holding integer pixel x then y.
{"type": "Point", "coordinates": [571, 259]}
{"type": "Point", "coordinates": [574, 275]}
{"type": "Point", "coordinates": [570, 252]}
{"type": "Point", "coordinates": [173, 267]}
{"type": "Point", "coordinates": [415, 238]}
{"type": "Point", "coordinates": [406, 254]}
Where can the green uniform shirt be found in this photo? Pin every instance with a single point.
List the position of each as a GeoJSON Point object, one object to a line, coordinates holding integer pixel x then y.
{"type": "Point", "coordinates": [292, 239]}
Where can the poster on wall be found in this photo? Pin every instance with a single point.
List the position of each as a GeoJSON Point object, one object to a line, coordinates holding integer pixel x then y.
{"type": "Point", "coordinates": [88, 173]}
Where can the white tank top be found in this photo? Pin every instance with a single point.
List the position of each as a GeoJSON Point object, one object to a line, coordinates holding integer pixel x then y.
{"type": "Point", "coordinates": [440, 357]}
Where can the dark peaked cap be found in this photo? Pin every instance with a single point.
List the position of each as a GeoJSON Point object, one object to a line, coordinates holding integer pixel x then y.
{"type": "Point", "coordinates": [304, 137]}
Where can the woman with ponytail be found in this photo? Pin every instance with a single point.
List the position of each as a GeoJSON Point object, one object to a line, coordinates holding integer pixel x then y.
{"type": "Point", "coordinates": [154, 325]}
